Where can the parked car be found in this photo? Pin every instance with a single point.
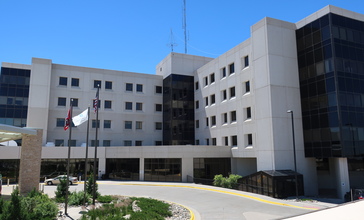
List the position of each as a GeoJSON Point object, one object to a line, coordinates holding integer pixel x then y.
{"type": "Point", "coordinates": [56, 180]}
{"type": "Point", "coordinates": [52, 175]}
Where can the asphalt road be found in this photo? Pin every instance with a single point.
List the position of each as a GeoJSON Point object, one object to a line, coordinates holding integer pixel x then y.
{"type": "Point", "coordinates": [206, 202]}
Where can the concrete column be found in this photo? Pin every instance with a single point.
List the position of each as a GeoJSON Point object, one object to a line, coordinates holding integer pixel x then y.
{"type": "Point", "coordinates": [141, 169]}
{"type": "Point", "coordinates": [102, 166]}
{"type": "Point", "coordinates": [187, 168]}
{"type": "Point", "coordinates": [342, 176]}
{"type": "Point", "coordinates": [30, 160]}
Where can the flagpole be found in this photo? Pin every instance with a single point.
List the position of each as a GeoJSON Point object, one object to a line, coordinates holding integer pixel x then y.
{"type": "Point", "coordinates": [95, 157]}
{"type": "Point", "coordinates": [69, 155]}
{"type": "Point", "coordinates": [86, 157]}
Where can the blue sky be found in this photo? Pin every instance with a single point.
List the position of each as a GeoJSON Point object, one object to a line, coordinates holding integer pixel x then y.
{"type": "Point", "coordinates": [133, 35]}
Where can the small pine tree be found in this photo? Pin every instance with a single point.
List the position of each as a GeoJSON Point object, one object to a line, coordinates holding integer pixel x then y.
{"type": "Point", "coordinates": [61, 190]}
{"type": "Point", "coordinates": [90, 185]}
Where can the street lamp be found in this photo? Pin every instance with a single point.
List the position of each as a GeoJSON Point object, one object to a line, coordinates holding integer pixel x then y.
{"type": "Point", "coordinates": [294, 153]}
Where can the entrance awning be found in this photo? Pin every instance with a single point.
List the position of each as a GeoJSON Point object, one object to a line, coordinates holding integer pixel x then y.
{"type": "Point", "coordinates": [8, 132]}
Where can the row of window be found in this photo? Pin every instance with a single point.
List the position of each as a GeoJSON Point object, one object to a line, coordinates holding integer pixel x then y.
{"type": "Point", "coordinates": [224, 118]}
{"type": "Point", "coordinates": [233, 140]}
{"type": "Point", "coordinates": [105, 143]}
{"type": "Point", "coordinates": [107, 124]}
{"type": "Point", "coordinates": [224, 96]}
{"type": "Point", "coordinates": [223, 72]}
{"type": "Point", "coordinates": [108, 104]}
{"type": "Point", "coordinates": [75, 82]}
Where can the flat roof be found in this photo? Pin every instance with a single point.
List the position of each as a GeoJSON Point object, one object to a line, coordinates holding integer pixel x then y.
{"type": "Point", "coordinates": [9, 133]}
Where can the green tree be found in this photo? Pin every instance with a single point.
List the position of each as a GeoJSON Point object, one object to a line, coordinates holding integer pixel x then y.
{"type": "Point", "coordinates": [90, 184]}
{"type": "Point", "coordinates": [62, 190]}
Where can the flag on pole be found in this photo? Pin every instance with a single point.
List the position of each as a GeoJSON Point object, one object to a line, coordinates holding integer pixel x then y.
{"type": "Point", "coordinates": [81, 118]}
{"type": "Point", "coordinates": [96, 101]}
{"type": "Point", "coordinates": [67, 120]}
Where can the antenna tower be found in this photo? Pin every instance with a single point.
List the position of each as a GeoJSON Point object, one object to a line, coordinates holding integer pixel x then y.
{"type": "Point", "coordinates": [185, 24]}
{"type": "Point", "coordinates": [171, 44]}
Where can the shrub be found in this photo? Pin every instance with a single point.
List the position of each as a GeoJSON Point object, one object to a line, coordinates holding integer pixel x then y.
{"type": "Point", "coordinates": [226, 182]}
{"type": "Point", "coordinates": [153, 208]}
{"type": "Point", "coordinates": [34, 206]}
{"type": "Point", "coordinates": [104, 199]}
{"type": "Point", "coordinates": [76, 198]}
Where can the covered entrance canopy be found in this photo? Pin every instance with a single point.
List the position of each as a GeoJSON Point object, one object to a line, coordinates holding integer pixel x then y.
{"type": "Point", "coordinates": [9, 133]}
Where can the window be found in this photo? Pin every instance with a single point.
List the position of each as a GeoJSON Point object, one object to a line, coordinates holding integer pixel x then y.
{"type": "Point", "coordinates": [139, 106]}
{"type": "Point", "coordinates": [75, 82]}
{"type": "Point", "coordinates": [94, 124]}
{"type": "Point", "coordinates": [107, 104]}
{"type": "Point", "coordinates": [197, 142]}
{"type": "Point", "coordinates": [74, 102]}
{"type": "Point", "coordinates": [107, 123]}
{"type": "Point", "coordinates": [158, 89]}
{"type": "Point", "coordinates": [106, 143]}
{"type": "Point", "coordinates": [139, 125]}
{"type": "Point", "coordinates": [129, 87]}
{"type": "Point", "coordinates": [158, 143]}
{"type": "Point", "coordinates": [246, 61]}
{"type": "Point", "coordinates": [63, 81]}
{"type": "Point", "coordinates": [213, 121]}
{"type": "Point", "coordinates": [247, 86]}
{"type": "Point", "coordinates": [226, 141]}
{"type": "Point", "coordinates": [233, 116]}
{"type": "Point", "coordinates": [158, 107]}
{"type": "Point", "coordinates": [214, 141]}
{"type": "Point", "coordinates": [223, 95]}
{"type": "Point", "coordinates": [196, 85]}
{"type": "Point", "coordinates": [93, 143]}
{"type": "Point", "coordinates": [249, 139]}
{"type": "Point", "coordinates": [207, 141]}
{"type": "Point", "coordinates": [224, 118]}
{"type": "Point", "coordinates": [207, 122]}
{"type": "Point", "coordinates": [59, 142]}
{"type": "Point", "coordinates": [158, 126]}
{"type": "Point", "coordinates": [127, 143]}
{"type": "Point", "coordinates": [97, 83]}
{"type": "Point", "coordinates": [205, 80]}
{"type": "Point", "coordinates": [108, 85]}
{"type": "Point", "coordinates": [212, 78]}
{"type": "Point", "coordinates": [231, 68]}
{"type": "Point", "coordinates": [206, 101]}
{"type": "Point", "coordinates": [139, 88]}
{"type": "Point", "coordinates": [60, 122]}
{"type": "Point", "coordinates": [128, 125]}
{"type": "Point", "coordinates": [197, 123]}
{"type": "Point", "coordinates": [128, 106]}
{"type": "Point", "coordinates": [138, 143]}
{"type": "Point", "coordinates": [197, 104]}
{"type": "Point", "coordinates": [248, 113]}
{"type": "Point", "coordinates": [223, 72]}
{"type": "Point", "coordinates": [232, 92]}
{"type": "Point", "coordinates": [234, 140]}
{"type": "Point", "coordinates": [62, 101]}
{"type": "Point", "coordinates": [212, 97]}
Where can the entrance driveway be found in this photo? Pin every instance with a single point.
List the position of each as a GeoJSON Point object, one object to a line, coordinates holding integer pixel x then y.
{"type": "Point", "coordinates": [206, 202]}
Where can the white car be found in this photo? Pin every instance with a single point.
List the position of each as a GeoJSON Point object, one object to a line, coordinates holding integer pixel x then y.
{"type": "Point", "coordinates": [56, 180]}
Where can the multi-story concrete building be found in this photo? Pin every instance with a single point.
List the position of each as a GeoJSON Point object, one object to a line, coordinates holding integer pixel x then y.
{"type": "Point", "coordinates": [201, 116]}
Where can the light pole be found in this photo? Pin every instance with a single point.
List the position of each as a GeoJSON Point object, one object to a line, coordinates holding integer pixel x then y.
{"type": "Point", "coordinates": [294, 153]}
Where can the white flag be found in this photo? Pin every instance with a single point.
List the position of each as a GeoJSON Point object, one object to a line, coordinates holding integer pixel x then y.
{"type": "Point", "coordinates": [81, 118]}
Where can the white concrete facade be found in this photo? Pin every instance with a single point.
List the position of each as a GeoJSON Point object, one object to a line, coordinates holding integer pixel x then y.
{"type": "Point", "coordinates": [241, 103]}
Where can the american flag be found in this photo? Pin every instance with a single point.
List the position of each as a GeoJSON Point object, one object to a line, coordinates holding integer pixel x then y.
{"type": "Point", "coordinates": [67, 121]}
{"type": "Point", "coordinates": [96, 101]}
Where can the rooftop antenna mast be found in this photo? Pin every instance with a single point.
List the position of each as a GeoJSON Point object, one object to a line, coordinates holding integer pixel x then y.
{"type": "Point", "coordinates": [185, 24]}
{"type": "Point", "coordinates": [171, 44]}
